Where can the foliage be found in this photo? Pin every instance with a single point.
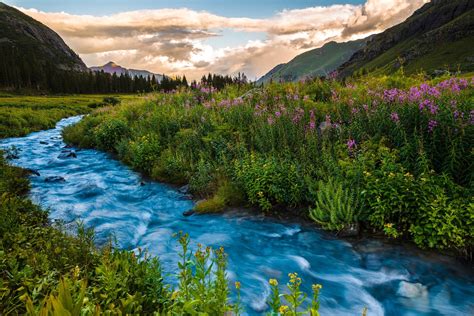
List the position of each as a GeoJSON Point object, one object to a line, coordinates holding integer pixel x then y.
{"type": "Point", "coordinates": [335, 206]}
{"type": "Point", "coordinates": [377, 150]}
{"type": "Point", "coordinates": [294, 298]}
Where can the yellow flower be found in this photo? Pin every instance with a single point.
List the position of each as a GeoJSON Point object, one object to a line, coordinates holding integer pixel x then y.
{"type": "Point", "coordinates": [283, 309]}
{"type": "Point", "coordinates": [388, 225]}
{"type": "Point", "coordinates": [273, 282]}
{"type": "Point", "coordinates": [237, 285]}
{"type": "Point", "coordinates": [391, 174]}
{"type": "Point", "coordinates": [317, 287]}
{"type": "Point", "coordinates": [76, 272]}
{"type": "Point", "coordinates": [174, 295]}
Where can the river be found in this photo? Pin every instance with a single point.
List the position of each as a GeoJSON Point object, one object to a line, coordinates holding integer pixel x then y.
{"type": "Point", "coordinates": [111, 198]}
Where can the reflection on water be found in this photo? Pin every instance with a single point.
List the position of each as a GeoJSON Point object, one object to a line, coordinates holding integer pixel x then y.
{"type": "Point", "coordinates": [114, 200]}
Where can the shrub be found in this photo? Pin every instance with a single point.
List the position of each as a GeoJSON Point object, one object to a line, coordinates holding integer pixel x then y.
{"type": "Point", "coordinates": [267, 181]}
{"type": "Point", "coordinates": [110, 132]}
{"type": "Point", "coordinates": [335, 206]}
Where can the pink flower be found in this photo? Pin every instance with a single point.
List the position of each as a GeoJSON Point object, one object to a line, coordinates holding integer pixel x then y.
{"type": "Point", "coordinates": [270, 120]}
{"type": "Point", "coordinates": [394, 117]}
{"type": "Point", "coordinates": [351, 144]}
{"type": "Point", "coordinates": [432, 124]}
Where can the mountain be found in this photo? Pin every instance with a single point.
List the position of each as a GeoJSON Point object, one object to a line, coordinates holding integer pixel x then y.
{"type": "Point", "coordinates": [113, 68]}
{"type": "Point", "coordinates": [33, 42]}
{"type": "Point", "coordinates": [437, 36]}
{"type": "Point", "coordinates": [313, 63]}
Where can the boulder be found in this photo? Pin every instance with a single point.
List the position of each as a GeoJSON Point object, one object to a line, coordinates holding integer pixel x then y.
{"type": "Point", "coordinates": [351, 230]}
{"type": "Point", "coordinates": [67, 154]}
{"type": "Point", "coordinates": [184, 189]}
{"type": "Point", "coordinates": [33, 172]}
{"type": "Point", "coordinates": [54, 179]}
{"type": "Point", "coordinates": [412, 290]}
{"type": "Point", "coordinates": [188, 213]}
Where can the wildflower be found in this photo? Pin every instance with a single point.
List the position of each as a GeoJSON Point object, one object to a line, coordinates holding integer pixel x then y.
{"type": "Point", "coordinates": [174, 295]}
{"type": "Point", "coordinates": [432, 124]}
{"type": "Point", "coordinates": [283, 309]}
{"type": "Point", "coordinates": [273, 282]}
{"type": "Point", "coordinates": [77, 272]}
{"type": "Point", "coordinates": [277, 113]}
{"type": "Point", "coordinates": [270, 120]}
{"type": "Point", "coordinates": [351, 144]}
{"type": "Point", "coordinates": [394, 117]}
{"type": "Point", "coordinates": [389, 225]}
{"type": "Point", "coordinates": [306, 98]}
{"type": "Point", "coordinates": [316, 287]}
{"type": "Point", "coordinates": [237, 285]}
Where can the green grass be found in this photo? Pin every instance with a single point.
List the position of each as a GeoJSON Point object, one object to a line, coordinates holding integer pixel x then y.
{"type": "Point", "coordinates": [20, 115]}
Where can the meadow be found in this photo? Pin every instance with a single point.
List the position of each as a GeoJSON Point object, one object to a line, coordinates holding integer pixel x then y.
{"type": "Point", "coordinates": [21, 114]}
{"type": "Point", "coordinates": [390, 155]}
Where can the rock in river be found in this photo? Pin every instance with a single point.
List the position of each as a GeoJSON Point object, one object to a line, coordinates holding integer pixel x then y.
{"type": "Point", "coordinates": [412, 290]}
{"type": "Point", "coordinates": [54, 179]}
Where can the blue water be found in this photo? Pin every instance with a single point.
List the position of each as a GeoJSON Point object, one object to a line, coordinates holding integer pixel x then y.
{"type": "Point", "coordinates": [108, 196]}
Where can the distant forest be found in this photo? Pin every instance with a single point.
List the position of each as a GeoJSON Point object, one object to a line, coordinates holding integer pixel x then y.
{"type": "Point", "coordinates": [21, 70]}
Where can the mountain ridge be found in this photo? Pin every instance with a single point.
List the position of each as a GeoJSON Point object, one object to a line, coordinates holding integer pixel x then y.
{"type": "Point", "coordinates": [436, 35]}
{"type": "Point", "coordinates": [113, 68]}
{"type": "Point", "coordinates": [27, 36]}
{"type": "Point", "coordinates": [313, 63]}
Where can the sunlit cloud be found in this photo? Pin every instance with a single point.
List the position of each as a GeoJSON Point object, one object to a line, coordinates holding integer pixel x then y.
{"type": "Point", "coordinates": [173, 41]}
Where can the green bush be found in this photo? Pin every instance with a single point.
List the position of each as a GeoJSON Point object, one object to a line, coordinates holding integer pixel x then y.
{"type": "Point", "coordinates": [335, 206]}
{"type": "Point", "coordinates": [110, 132]}
{"type": "Point", "coordinates": [268, 182]}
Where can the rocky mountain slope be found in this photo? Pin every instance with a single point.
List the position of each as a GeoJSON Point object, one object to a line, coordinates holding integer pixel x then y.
{"type": "Point", "coordinates": [314, 63]}
{"type": "Point", "coordinates": [438, 36]}
{"type": "Point", "coordinates": [33, 42]}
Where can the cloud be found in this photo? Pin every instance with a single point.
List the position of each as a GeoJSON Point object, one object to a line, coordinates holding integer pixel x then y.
{"type": "Point", "coordinates": [177, 41]}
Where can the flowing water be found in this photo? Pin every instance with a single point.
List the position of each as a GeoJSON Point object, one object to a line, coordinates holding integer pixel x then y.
{"type": "Point", "coordinates": [109, 197]}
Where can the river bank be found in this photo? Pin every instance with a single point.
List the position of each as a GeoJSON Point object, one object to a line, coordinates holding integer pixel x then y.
{"type": "Point", "coordinates": [111, 198]}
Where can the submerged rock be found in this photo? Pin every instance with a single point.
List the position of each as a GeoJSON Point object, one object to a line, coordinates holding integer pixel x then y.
{"type": "Point", "coordinates": [67, 154]}
{"type": "Point", "coordinates": [42, 142]}
{"type": "Point", "coordinates": [184, 189]}
{"type": "Point", "coordinates": [351, 230]}
{"type": "Point", "coordinates": [54, 179]}
{"type": "Point", "coordinates": [188, 212]}
{"type": "Point", "coordinates": [412, 290]}
{"type": "Point", "coordinates": [33, 172]}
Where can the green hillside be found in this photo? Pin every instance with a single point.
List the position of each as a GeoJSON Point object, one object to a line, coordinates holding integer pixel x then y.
{"type": "Point", "coordinates": [313, 63]}
{"type": "Point", "coordinates": [437, 37]}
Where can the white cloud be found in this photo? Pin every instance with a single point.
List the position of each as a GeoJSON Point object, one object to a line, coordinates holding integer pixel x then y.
{"type": "Point", "coordinates": [172, 41]}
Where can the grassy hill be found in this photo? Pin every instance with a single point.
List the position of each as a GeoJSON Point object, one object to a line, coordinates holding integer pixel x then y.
{"type": "Point", "coordinates": [439, 36]}
{"type": "Point", "coordinates": [313, 63]}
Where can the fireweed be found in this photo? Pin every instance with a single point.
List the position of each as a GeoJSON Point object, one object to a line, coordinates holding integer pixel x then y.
{"type": "Point", "coordinates": [276, 144]}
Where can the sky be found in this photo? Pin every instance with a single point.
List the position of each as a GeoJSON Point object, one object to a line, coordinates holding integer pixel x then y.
{"type": "Point", "coordinates": [194, 37]}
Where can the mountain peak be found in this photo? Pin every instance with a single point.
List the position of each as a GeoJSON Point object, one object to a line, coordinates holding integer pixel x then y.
{"type": "Point", "coordinates": [111, 64]}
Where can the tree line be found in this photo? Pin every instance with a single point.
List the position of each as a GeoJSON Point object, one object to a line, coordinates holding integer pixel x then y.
{"type": "Point", "coordinates": [23, 70]}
